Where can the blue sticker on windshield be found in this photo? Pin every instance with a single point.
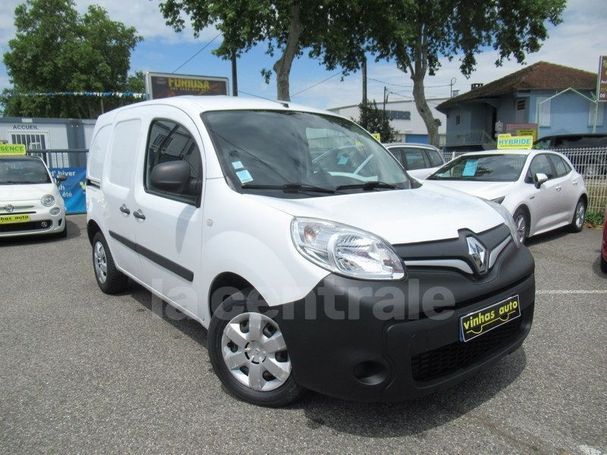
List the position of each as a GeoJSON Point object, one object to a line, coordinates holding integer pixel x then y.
{"type": "Point", "coordinates": [244, 176]}
{"type": "Point", "coordinates": [470, 168]}
{"type": "Point", "coordinates": [237, 165]}
{"type": "Point", "coordinates": [343, 159]}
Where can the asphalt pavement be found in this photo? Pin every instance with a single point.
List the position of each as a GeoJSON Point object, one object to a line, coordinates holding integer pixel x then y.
{"type": "Point", "coordinates": [82, 372]}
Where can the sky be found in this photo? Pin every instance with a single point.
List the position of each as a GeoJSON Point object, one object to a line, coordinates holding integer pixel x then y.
{"type": "Point", "coordinates": [577, 41]}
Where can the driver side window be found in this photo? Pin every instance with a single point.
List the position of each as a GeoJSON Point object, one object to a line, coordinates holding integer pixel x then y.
{"type": "Point", "coordinates": [540, 165]}
{"type": "Point", "coordinates": [170, 141]}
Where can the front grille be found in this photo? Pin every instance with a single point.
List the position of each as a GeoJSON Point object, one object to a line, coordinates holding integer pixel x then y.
{"type": "Point", "coordinates": [29, 226]}
{"type": "Point", "coordinates": [448, 359]}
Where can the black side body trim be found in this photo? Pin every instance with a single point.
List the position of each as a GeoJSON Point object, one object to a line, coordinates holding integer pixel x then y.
{"type": "Point", "coordinates": [155, 257]}
{"type": "Point", "coordinates": [89, 182]}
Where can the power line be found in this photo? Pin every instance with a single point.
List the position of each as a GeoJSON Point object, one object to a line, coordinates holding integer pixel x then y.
{"type": "Point", "coordinates": [197, 52]}
{"type": "Point", "coordinates": [317, 83]}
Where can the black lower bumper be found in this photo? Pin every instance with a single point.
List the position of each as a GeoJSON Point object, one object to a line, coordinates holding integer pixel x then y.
{"type": "Point", "coordinates": [389, 341]}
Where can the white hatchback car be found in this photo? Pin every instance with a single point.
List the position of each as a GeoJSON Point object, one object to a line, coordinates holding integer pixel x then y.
{"type": "Point", "coordinates": [30, 202]}
{"type": "Point", "coordinates": [307, 273]}
{"type": "Point", "coordinates": [540, 188]}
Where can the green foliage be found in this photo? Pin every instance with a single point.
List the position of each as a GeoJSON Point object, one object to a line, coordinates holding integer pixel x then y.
{"type": "Point", "coordinates": [287, 27]}
{"type": "Point", "coordinates": [58, 50]}
{"type": "Point", "coordinates": [595, 219]}
{"type": "Point", "coordinates": [375, 120]}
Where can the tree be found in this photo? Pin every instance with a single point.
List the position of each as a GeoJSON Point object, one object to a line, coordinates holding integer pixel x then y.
{"type": "Point", "coordinates": [288, 27]}
{"type": "Point", "coordinates": [416, 34]}
{"type": "Point", "coordinates": [375, 120]}
{"type": "Point", "coordinates": [58, 50]}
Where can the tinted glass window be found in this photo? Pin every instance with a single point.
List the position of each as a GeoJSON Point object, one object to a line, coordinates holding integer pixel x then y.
{"type": "Point", "coordinates": [22, 171]}
{"type": "Point", "coordinates": [489, 168]}
{"type": "Point", "coordinates": [266, 150]}
{"type": "Point", "coordinates": [541, 165]}
{"type": "Point", "coordinates": [561, 167]}
{"type": "Point", "coordinates": [435, 158]}
{"type": "Point", "coordinates": [169, 141]}
{"type": "Point", "coordinates": [415, 159]}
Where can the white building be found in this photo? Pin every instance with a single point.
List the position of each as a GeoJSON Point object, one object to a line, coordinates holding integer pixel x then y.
{"type": "Point", "coordinates": [404, 118]}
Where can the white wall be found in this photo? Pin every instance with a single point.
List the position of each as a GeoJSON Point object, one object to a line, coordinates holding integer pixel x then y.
{"type": "Point", "coordinates": [403, 127]}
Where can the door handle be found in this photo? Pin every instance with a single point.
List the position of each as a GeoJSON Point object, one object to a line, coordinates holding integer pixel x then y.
{"type": "Point", "coordinates": [124, 209]}
{"type": "Point", "coordinates": [139, 215]}
{"type": "Point", "coordinates": [574, 182]}
{"type": "Point", "coordinates": [558, 188]}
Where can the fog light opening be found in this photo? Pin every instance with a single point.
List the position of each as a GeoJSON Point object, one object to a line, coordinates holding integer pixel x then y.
{"type": "Point", "coordinates": [55, 211]}
{"type": "Point", "coordinates": [370, 372]}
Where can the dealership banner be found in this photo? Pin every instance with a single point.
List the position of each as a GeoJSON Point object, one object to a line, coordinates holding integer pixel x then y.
{"type": "Point", "coordinates": [163, 85]}
{"type": "Point", "coordinates": [73, 188]}
{"type": "Point", "coordinates": [601, 83]}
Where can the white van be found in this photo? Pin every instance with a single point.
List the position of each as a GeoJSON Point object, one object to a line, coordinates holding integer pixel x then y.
{"type": "Point", "coordinates": [348, 277]}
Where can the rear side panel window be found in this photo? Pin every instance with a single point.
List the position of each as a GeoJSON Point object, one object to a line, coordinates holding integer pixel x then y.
{"type": "Point", "coordinates": [561, 167]}
{"type": "Point", "coordinates": [170, 141]}
{"type": "Point", "coordinates": [435, 158]}
{"type": "Point", "coordinates": [98, 150]}
{"type": "Point", "coordinates": [124, 150]}
{"type": "Point", "coordinates": [415, 159]}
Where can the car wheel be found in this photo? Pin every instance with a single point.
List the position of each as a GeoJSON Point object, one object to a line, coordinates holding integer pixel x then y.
{"type": "Point", "coordinates": [579, 216]}
{"type": "Point", "coordinates": [521, 220]}
{"type": "Point", "coordinates": [249, 354]}
{"type": "Point", "coordinates": [604, 265]}
{"type": "Point", "coordinates": [109, 278]}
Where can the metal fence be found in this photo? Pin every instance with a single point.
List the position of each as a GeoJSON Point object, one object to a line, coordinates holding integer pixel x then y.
{"type": "Point", "coordinates": [591, 163]}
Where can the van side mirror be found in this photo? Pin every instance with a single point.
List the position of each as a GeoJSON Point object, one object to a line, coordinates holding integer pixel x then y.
{"type": "Point", "coordinates": [174, 177]}
{"type": "Point", "coordinates": [60, 178]}
{"type": "Point", "coordinates": [539, 179]}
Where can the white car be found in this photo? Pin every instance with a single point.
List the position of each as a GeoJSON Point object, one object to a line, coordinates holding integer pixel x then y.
{"type": "Point", "coordinates": [30, 202]}
{"type": "Point", "coordinates": [306, 273]}
{"type": "Point", "coordinates": [420, 160]}
{"type": "Point", "coordinates": [540, 188]}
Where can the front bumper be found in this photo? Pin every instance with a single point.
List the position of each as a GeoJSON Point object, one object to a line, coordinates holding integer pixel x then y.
{"type": "Point", "coordinates": [377, 341]}
{"type": "Point", "coordinates": [40, 222]}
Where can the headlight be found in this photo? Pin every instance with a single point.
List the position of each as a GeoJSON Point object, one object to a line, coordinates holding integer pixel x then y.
{"type": "Point", "coordinates": [346, 250]}
{"type": "Point", "coordinates": [48, 200]}
{"type": "Point", "coordinates": [508, 220]}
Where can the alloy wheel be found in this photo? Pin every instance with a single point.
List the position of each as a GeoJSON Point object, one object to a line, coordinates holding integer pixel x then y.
{"type": "Point", "coordinates": [100, 262]}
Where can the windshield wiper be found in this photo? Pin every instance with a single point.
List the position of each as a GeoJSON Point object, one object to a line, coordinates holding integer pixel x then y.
{"type": "Point", "coordinates": [367, 186]}
{"type": "Point", "coordinates": [289, 188]}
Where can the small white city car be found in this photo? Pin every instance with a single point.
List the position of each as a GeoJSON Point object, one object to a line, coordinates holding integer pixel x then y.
{"type": "Point", "coordinates": [540, 188]}
{"type": "Point", "coordinates": [307, 273]}
{"type": "Point", "coordinates": [30, 202]}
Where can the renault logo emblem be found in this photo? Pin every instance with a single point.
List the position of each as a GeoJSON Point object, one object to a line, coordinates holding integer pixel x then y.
{"type": "Point", "coordinates": [9, 208]}
{"type": "Point", "coordinates": [478, 253]}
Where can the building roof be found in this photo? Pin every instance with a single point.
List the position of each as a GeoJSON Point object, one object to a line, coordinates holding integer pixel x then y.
{"type": "Point", "coordinates": [539, 76]}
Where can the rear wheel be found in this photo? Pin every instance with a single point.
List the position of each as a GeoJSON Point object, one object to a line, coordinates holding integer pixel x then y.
{"type": "Point", "coordinates": [604, 265]}
{"type": "Point", "coordinates": [249, 354]}
{"type": "Point", "coordinates": [521, 220]}
{"type": "Point", "coordinates": [109, 278]}
{"type": "Point", "coordinates": [579, 217]}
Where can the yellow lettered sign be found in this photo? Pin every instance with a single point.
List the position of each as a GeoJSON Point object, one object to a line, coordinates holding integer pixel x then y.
{"type": "Point", "coordinates": [12, 149]}
{"type": "Point", "coordinates": [509, 142]}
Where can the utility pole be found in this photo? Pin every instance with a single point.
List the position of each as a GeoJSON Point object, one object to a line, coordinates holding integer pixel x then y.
{"type": "Point", "coordinates": [364, 71]}
{"type": "Point", "coordinates": [234, 75]}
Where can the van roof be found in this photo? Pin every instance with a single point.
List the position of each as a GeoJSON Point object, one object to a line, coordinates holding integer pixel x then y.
{"type": "Point", "coordinates": [200, 104]}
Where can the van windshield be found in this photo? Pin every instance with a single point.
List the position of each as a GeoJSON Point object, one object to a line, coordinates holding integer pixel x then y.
{"type": "Point", "coordinates": [300, 153]}
{"type": "Point", "coordinates": [22, 171]}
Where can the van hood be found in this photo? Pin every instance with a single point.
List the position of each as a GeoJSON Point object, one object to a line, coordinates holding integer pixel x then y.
{"type": "Point", "coordinates": [485, 190]}
{"type": "Point", "coordinates": [30, 192]}
{"type": "Point", "coordinates": [399, 216]}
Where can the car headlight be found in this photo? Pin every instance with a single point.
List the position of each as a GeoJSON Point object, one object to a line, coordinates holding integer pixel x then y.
{"type": "Point", "coordinates": [48, 200]}
{"type": "Point", "coordinates": [346, 250]}
{"type": "Point", "coordinates": [508, 220]}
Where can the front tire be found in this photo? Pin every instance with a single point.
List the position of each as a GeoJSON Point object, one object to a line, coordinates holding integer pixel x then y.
{"type": "Point", "coordinates": [249, 354]}
{"type": "Point", "coordinates": [521, 220]}
{"type": "Point", "coordinates": [579, 217]}
{"type": "Point", "coordinates": [603, 265]}
{"type": "Point", "coordinates": [109, 278]}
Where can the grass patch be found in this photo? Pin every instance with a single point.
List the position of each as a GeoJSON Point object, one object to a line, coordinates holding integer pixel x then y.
{"type": "Point", "coordinates": [595, 219]}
